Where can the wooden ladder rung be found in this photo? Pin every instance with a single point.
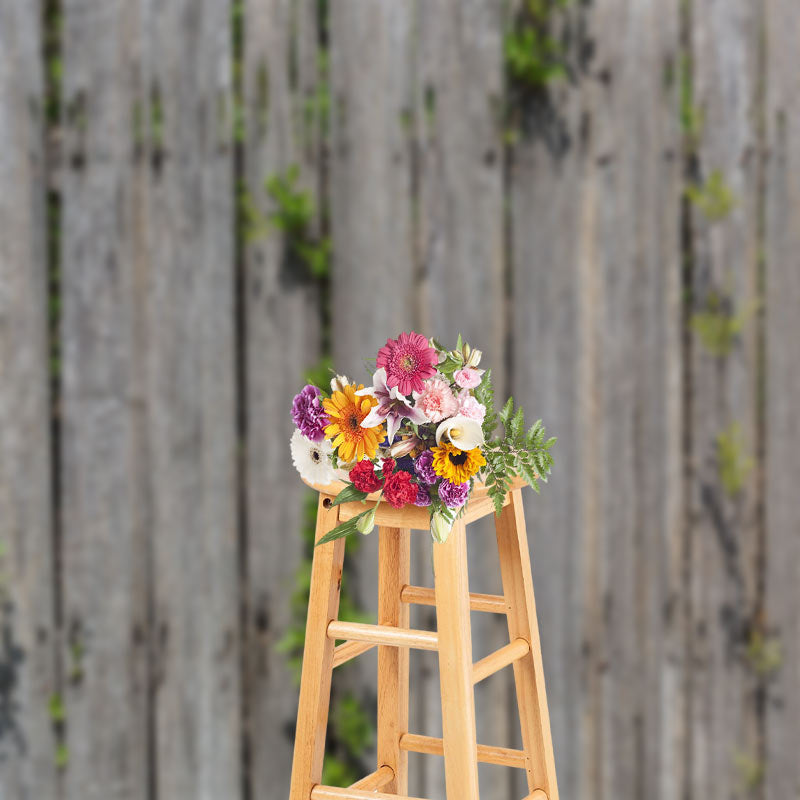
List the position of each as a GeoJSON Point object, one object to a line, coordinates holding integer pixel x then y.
{"type": "Point", "coordinates": [500, 658]}
{"type": "Point", "coordinates": [320, 792]}
{"type": "Point", "coordinates": [375, 780]}
{"type": "Point", "coordinates": [422, 596]}
{"type": "Point", "coordinates": [383, 634]}
{"type": "Point", "coordinates": [488, 754]}
{"type": "Point", "coordinates": [349, 650]}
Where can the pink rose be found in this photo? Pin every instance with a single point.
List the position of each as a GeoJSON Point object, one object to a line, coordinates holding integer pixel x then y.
{"type": "Point", "coordinates": [468, 377]}
{"type": "Point", "coordinates": [469, 407]}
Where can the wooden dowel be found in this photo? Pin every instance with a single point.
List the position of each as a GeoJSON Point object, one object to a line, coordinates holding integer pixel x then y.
{"type": "Point", "coordinates": [488, 754]}
{"type": "Point", "coordinates": [422, 596]}
{"type": "Point", "coordinates": [383, 634]}
{"type": "Point", "coordinates": [375, 780]}
{"type": "Point", "coordinates": [320, 792]}
{"type": "Point", "coordinates": [349, 650]}
{"type": "Point", "coordinates": [537, 795]}
{"type": "Point", "coordinates": [499, 659]}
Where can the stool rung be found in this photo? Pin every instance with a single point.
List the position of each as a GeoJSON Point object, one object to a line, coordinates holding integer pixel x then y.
{"type": "Point", "coordinates": [375, 780]}
{"type": "Point", "coordinates": [537, 795]}
{"type": "Point", "coordinates": [320, 792]}
{"type": "Point", "coordinates": [488, 754]}
{"type": "Point", "coordinates": [494, 662]}
{"type": "Point", "coordinates": [383, 634]}
{"type": "Point", "coordinates": [349, 650]}
{"type": "Point", "coordinates": [422, 596]}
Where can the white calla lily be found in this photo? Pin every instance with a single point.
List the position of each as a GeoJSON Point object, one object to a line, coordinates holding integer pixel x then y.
{"type": "Point", "coordinates": [463, 432]}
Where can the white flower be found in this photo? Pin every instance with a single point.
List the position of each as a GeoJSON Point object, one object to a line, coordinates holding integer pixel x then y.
{"type": "Point", "coordinates": [312, 459]}
{"type": "Point", "coordinates": [464, 433]}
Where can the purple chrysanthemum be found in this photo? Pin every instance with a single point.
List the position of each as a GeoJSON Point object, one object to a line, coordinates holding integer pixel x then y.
{"type": "Point", "coordinates": [423, 466]}
{"type": "Point", "coordinates": [453, 495]}
{"type": "Point", "coordinates": [308, 413]}
{"type": "Point", "coordinates": [423, 498]}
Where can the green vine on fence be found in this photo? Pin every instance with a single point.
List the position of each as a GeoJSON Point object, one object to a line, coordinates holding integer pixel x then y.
{"type": "Point", "coordinates": [718, 325]}
{"type": "Point", "coordinates": [734, 465]}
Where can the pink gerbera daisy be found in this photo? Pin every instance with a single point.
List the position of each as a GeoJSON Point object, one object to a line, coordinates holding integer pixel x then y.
{"type": "Point", "coordinates": [408, 360]}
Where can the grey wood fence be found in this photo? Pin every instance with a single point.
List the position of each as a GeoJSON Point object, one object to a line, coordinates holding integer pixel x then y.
{"type": "Point", "coordinates": [617, 227]}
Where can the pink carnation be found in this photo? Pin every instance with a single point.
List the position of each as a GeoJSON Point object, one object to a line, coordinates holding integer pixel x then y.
{"type": "Point", "coordinates": [469, 407]}
{"type": "Point", "coordinates": [468, 377]}
{"type": "Point", "coordinates": [437, 401]}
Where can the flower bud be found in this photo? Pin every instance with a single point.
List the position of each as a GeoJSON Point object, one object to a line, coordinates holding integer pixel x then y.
{"type": "Point", "coordinates": [474, 358]}
{"type": "Point", "coordinates": [440, 528]}
{"type": "Point", "coordinates": [338, 383]}
{"type": "Point", "coordinates": [366, 523]}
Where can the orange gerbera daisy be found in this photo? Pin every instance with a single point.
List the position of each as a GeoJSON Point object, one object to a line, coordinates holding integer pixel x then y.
{"type": "Point", "coordinates": [346, 411]}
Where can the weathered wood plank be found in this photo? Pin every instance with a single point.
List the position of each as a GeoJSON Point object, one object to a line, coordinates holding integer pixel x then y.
{"type": "Point", "coordinates": [191, 401]}
{"type": "Point", "coordinates": [723, 527]}
{"type": "Point", "coordinates": [459, 233]}
{"type": "Point", "coordinates": [104, 533]}
{"type": "Point", "coordinates": [27, 631]}
{"type": "Point", "coordinates": [634, 176]}
{"type": "Point", "coordinates": [370, 168]}
{"type": "Point", "coordinates": [596, 298]}
{"type": "Point", "coordinates": [782, 778]}
{"type": "Point", "coordinates": [282, 339]}
{"type": "Point", "coordinates": [554, 293]}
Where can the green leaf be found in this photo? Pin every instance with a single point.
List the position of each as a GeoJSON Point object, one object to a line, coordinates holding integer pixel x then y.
{"type": "Point", "coordinates": [517, 423]}
{"type": "Point", "coordinates": [348, 494]}
{"type": "Point", "coordinates": [345, 529]}
{"type": "Point", "coordinates": [56, 709]}
{"type": "Point", "coordinates": [508, 410]}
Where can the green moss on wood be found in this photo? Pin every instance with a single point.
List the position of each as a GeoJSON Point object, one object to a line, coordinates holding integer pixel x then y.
{"type": "Point", "coordinates": [734, 465]}
{"type": "Point", "coordinates": [714, 198]}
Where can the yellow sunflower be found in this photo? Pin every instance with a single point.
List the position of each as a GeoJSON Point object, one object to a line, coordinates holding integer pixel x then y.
{"type": "Point", "coordinates": [346, 412]}
{"type": "Point", "coordinates": [457, 466]}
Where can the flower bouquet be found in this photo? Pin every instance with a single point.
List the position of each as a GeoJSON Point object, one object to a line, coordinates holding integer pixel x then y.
{"type": "Point", "coordinates": [422, 434]}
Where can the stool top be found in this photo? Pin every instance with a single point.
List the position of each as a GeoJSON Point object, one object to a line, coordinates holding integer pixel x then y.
{"type": "Point", "coordinates": [478, 490]}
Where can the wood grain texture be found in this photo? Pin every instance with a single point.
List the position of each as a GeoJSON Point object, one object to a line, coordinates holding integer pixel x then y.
{"type": "Point", "coordinates": [27, 626]}
{"type": "Point", "coordinates": [634, 175]}
{"type": "Point", "coordinates": [724, 530]}
{"type": "Point", "coordinates": [370, 200]}
{"type": "Point", "coordinates": [103, 469]}
{"type": "Point", "coordinates": [782, 623]}
{"type": "Point", "coordinates": [455, 665]}
{"type": "Point", "coordinates": [596, 280]}
{"type": "Point", "coordinates": [315, 682]}
{"type": "Point", "coordinates": [416, 743]}
{"type": "Point", "coordinates": [281, 329]}
{"type": "Point", "coordinates": [523, 625]}
{"type": "Point", "coordinates": [461, 261]}
{"type": "Point", "coordinates": [191, 406]}
{"type": "Point", "coordinates": [394, 572]}
{"type": "Point", "coordinates": [551, 247]}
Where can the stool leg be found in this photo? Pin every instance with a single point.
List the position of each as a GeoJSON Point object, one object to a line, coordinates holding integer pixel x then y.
{"type": "Point", "coordinates": [315, 682]}
{"type": "Point", "coordinates": [455, 665]}
{"type": "Point", "coordinates": [394, 572]}
{"type": "Point", "coordinates": [515, 568]}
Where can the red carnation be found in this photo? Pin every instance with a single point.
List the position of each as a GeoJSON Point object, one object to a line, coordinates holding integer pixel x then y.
{"type": "Point", "coordinates": [400, 490]}
{"type": "Point", "coordinates": [364, 478]}
{"type": "Point", "coordinates": [388, 467]}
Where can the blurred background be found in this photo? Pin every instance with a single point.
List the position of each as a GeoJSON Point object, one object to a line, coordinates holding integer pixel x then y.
{"type": "Point", "coordinates": [202, 202]}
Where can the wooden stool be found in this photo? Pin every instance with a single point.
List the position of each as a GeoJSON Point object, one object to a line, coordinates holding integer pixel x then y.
{"type": "Point", "coordinates": [458, 675]}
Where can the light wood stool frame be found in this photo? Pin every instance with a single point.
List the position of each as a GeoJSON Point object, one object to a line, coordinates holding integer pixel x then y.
{"type": "Point", "coordinates": [452, 640]}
